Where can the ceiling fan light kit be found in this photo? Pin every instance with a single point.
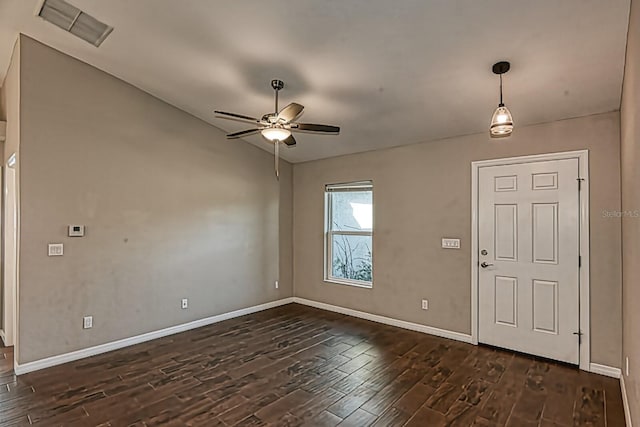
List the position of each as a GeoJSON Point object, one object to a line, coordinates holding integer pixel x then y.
{"type": "Point", "coordinates": [501, 121]}
{"type": "Point", "coordinates": [276, 133]}
{"type": "Point", "coordinates": [278, 126]}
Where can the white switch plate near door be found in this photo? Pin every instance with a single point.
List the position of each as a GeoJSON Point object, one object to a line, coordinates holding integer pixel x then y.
{"type": "Point", "coordinates": [451, 243]}
{"type": "Point", "coordinates": [56, 249]}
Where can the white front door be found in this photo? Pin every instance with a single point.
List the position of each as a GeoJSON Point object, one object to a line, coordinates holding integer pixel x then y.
{"type": "Point", "coordinates": [528, 242]}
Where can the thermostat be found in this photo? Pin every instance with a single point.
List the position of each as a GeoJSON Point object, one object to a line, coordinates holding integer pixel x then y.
{"type": "Point", "coordinates": [76, 231]}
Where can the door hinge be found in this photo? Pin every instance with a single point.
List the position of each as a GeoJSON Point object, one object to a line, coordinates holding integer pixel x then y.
{"type": "Point", "coordinates": [579, 334]}
{"type": "Point", "coordinates": [580, 183]}
{"type": "Point", "coordinates": [579, 260]}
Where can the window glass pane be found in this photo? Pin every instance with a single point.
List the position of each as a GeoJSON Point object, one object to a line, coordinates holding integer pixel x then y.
{"type": "Point", "coordinates": [352, 210]}
{"type": "Point", "coordinates": [351, 257]}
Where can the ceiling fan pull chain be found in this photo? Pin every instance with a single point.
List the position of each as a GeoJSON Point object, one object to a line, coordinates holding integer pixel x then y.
{"type": "Point", "coordinates": [276, 156]}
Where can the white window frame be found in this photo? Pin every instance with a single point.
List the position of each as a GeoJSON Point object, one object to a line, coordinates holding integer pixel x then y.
{"type": "Point", "coordinates": [329, 232]}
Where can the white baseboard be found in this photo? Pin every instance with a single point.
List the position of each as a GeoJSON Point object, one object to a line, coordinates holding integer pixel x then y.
{"type": "Point", "coordinates": [458, 336]}
{"type": "Point", "coordinates": [608, 371]}
{"type": "Point", "coordinates": [625, 403]}
{"type": "Point", "coordinates": [126, 342]}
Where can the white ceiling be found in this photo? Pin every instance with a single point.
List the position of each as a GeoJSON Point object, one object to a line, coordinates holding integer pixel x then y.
{"type": "Point", "coordinates": [389, 73]}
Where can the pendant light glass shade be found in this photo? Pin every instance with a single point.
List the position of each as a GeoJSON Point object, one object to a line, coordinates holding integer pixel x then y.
{"type": "Point", "coordinates": [501, 122]}
{"type": "Point", "coordinates": [276, 133]}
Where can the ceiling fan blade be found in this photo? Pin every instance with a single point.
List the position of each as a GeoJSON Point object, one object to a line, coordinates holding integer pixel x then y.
{"type": "Point", "coordinates": [290, 112]}
{"type": "Point", "coordinates": [236, 116]}
{"type": "Point", "coordinates": [290, 141]}
{"type": "Point", "coordinates": [310, 127]}
{"type": "Point", "coordinates": [243, 133]}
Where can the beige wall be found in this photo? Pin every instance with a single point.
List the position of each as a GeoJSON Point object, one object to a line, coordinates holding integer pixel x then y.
{"type": "Point", "coordinates": [11, 103]}
{"type": "Point", "coordinates": [630, 165]}
{"type": "Point", "coordinates": [172, 209]}
{"type": "Point", "coordinates": [422, 193]}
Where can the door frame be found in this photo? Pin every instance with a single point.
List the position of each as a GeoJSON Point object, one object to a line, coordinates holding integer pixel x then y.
{"type": "Point", "coordinates": [584, 307]}
{"type": "Point", "coordinates": [10, 247]}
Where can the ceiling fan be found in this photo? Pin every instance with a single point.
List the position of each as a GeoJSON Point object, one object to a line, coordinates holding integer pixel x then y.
{"type": "Point", "coordinates": [278, 126]}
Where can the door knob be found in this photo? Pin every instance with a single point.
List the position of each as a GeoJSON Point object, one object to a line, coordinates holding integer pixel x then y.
{"type": "Point", "coordinates": [485, 265]}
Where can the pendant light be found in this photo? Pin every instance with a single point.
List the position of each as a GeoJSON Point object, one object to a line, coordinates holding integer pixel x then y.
{"type": "Point", "coordinates": [501, 121]}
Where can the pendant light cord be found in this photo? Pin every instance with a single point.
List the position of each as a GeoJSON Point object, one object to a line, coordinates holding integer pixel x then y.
{"type": "Point", "coordinates": [501, 103]}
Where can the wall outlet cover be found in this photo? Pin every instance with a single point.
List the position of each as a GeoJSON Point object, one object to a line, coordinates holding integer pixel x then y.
{"type": "Point", "coordinates": [87, 322]}
{"type": "Point", "coordinates": [185, 303]}
{"type": "Point", "coordinates": [425, 304]}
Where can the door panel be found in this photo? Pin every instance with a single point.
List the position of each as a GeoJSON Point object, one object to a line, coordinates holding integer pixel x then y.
{"type": "Point", "coordinates": [506, 301]}
{"type": "Point", "coordinates": [545, 233]}
{"type": "Point", "coordinates": [545, 306]}
{"type": "Point", "coordinates": [506, 183]}
{"type": "Point", "coordinates": [528, 224]}
{"type": "Point", "coordinates": [545, 181]}
{"type": "Point", "coordinates": [506, 232]}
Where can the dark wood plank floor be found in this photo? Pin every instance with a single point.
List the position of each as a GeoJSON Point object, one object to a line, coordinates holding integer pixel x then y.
{"type": "Point", "coordinates": [296, 365]}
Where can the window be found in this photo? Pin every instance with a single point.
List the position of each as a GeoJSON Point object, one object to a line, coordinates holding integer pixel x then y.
{"type": "Point", "coordinates": [349, 233]}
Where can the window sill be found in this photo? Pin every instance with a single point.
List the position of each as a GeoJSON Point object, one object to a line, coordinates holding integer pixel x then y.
{"type": "Point", "coordinates": [350, 283]}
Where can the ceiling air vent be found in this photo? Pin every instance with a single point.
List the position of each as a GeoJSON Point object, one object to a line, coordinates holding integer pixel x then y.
{"type": "Point", "coordinates": [71, 19]}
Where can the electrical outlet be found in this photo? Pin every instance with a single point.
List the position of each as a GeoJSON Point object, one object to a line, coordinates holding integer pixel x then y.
{"type": "Point", "coordinates": [185, 303]}
{"type": "Point", "coordinates": [277, 285]}
{"type": "Point", "coordinates": [425, 304]}
{"type": "Point", "coordinates": [626, 366]}
{"type": "Point", "coordinates": [87, 322]}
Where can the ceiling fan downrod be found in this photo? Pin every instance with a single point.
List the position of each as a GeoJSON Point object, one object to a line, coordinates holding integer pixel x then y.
{"type": "Point", "coordinates": [277, 85]}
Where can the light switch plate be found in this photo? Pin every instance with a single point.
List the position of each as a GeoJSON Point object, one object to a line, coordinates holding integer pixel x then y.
{"type": "Point", "coordinates": [56, 249]}
{"type": "Point", "coordinates": [451, 243]}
